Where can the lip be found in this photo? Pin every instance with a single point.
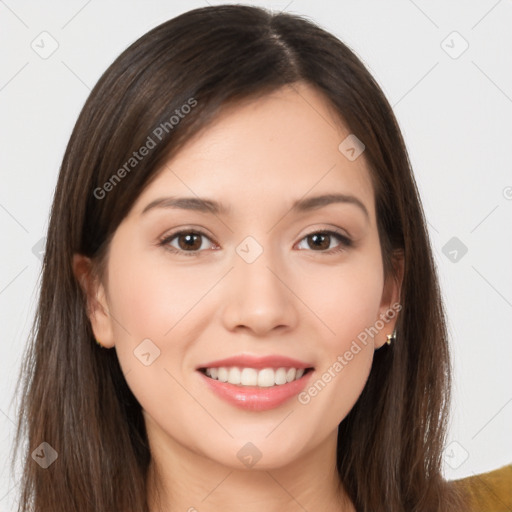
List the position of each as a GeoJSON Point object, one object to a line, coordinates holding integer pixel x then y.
{"type": "Point", "coordinates": [255, 398]}
{"type": "Point", "coordinates": [257, 362]}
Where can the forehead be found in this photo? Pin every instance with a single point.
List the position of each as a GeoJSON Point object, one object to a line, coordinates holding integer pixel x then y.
{"type": "Point", "coordinates": [273, 149]}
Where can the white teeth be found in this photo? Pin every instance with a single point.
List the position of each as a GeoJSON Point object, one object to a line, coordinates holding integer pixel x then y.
{"type": "Point", "coordinates": [290, 374]}
{"type": "Point", "coordinates": [234, 376]}
{"type": "Point", "coordinates": [223, 374]}
{"type": "Point", "coordinates": [280, 376]}
{"type": "Point", "coordinates": [265, 378]}
{"type": "Point", "coordinates": [249, 377]}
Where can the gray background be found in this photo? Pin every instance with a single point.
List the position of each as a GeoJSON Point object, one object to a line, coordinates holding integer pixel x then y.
{"type": "Point", "coordinates": [454, 108]}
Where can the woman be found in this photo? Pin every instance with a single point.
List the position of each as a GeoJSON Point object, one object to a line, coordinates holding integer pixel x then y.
{"type": "Point", "coordinates": [236, 216]}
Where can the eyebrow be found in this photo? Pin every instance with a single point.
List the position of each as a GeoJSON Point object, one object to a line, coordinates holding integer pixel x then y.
{"type": "Point", "coordinates": [205, 205]}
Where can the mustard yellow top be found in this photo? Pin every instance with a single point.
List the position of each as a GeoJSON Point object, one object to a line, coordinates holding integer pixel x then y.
{"type": "Point", "coordinates": [488, 492]}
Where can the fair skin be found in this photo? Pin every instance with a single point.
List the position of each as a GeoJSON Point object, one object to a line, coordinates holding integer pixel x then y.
{"type": "Point", "coordinates": [295, 300]}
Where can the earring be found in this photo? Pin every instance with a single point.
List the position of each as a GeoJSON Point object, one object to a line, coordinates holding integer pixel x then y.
{"type": "Point", "coordinates": [391, 337]}
{"type": "Point", "coordinates": [98, 342]}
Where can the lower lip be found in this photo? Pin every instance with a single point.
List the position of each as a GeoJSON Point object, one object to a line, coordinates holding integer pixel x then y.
{"type": "Point", "coordinates": [254, 398]}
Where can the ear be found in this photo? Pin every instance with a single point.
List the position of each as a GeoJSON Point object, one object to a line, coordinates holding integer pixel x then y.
{"type": "Point", "coordinates": [97, 306]}
{"type": "Point", "coordinates": [390, 304]}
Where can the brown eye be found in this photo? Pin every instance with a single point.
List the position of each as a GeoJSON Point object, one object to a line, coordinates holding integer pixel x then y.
{"type": "Point", "coordinates": [320, 241]}
{"type": "Point", "coordinates": [189, 242]}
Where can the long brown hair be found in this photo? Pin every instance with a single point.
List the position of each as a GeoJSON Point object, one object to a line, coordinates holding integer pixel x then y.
{"type": "Point", "coordinates": [74, 395]}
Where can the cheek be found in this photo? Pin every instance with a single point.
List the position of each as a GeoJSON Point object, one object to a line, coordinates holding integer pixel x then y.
{"type": "Point", "coordinates": [151, 297]}
{"type": "Point", "coordinates": [346, 299]}
{"type": "Point", "coordinates": [167, 304]}
{"type": "Point", "coordinates": [346, 356]}
{"type": "Point", "coordinates": [153, 300]}
{"type": "Point", "coordinates": [359, 300]}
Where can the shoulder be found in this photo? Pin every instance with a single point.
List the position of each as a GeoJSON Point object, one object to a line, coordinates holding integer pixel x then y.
{"type": "Point", "coordinates": [489, 492]}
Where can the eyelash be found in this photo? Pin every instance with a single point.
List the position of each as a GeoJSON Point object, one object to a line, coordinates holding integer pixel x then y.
{"type": "Point", "coordinates": [345, 242]}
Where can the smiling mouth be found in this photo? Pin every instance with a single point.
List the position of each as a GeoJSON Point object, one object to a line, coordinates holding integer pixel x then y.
{"type": "Point", "coordinates": [264, 378]}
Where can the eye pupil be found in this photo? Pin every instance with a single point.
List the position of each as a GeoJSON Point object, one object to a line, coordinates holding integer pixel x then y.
{"type": "Point", "coordinates": [315, 237]}
{"type": "Point", "coordinates": [189, 244]}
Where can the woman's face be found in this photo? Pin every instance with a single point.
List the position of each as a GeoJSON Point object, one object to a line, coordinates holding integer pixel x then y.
{"type": "Point", "coordinates": [261, 280]}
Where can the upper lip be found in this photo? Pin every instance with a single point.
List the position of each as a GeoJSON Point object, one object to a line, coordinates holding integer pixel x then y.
{"type": "Point", "coordinates": [257, 362]}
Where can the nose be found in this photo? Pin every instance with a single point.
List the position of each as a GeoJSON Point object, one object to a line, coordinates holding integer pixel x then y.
{"type": "Point", "coordinates": [259, 297]}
